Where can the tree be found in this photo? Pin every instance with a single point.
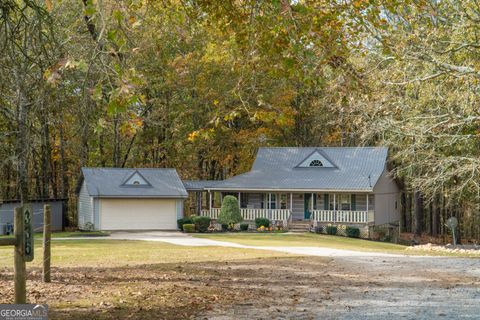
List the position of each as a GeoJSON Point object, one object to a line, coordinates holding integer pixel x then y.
{"type": "Point", "coordinates": [230, 212]}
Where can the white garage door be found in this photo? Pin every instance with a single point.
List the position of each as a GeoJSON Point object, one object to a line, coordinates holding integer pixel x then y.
{"type": "Point", "coordinates": [138, 214]}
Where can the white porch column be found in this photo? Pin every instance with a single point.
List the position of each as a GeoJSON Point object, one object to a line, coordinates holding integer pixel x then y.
{"type": "Point", "coordinates": [291, 202]}
{"type": "Point", "coordinates": [334, 208]}
{"type": "Point", "coordinates": [269, 206]}
{"type": "Point", "coordinates": [239, 202]}
{"type": "Point", "coordinates": [210, 200]}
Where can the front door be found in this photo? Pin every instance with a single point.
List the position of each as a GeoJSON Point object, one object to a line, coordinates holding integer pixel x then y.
{"type": "Point", "coordinates": [307, 197]}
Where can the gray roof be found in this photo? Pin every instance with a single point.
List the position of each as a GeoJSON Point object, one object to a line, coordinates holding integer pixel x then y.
{"type": "Point", "coordinates": [278, 169]}
{"type": "Point", "coordinates": [110, 182]}
{"type": "Point", "coordinates": [198, 185]}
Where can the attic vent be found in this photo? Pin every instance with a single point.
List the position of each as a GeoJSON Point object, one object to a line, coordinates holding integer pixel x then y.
{"type": "Point", "coordinates": [136, 179]}
{"type": "Point", "coordinates": [316, 163]}
{"type": "Point", "coordinates": [316, 160]}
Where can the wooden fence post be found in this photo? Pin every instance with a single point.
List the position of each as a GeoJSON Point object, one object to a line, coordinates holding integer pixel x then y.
{"type": "Point", "coordinates": [19, 261]}
{"type": "Point", "coordinates": [47, 217]}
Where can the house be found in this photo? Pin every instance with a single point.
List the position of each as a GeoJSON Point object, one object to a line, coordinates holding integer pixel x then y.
{"type": "Point", "coordinates": [129, 199]}
{"type": "Point", "coordinates": [314, 185]}
{"type": "Point", "coordinates": [333, 185]}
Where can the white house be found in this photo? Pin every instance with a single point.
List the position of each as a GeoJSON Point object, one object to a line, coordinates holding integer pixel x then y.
{"type": "Point", "coordinates": [130, 199]}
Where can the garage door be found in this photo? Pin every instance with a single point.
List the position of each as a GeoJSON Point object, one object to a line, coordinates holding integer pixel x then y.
{"type": "Point", "coordinates": [138, 214]}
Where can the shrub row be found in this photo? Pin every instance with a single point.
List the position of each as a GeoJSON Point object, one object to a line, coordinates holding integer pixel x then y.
{"type": "Point", "coordinates": [200, 223]}
{"type": "Point", "coordinates": [351, 232]}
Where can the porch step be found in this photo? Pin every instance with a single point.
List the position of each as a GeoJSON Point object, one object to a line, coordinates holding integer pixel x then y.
{"type": "Point", "coordinates": [299, 226]}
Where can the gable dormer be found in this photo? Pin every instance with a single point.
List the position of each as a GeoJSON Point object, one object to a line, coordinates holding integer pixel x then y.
{"type": "Point", "coordinates": [316, 160]}
{"type": "Point", "coordinates": [136, 180]}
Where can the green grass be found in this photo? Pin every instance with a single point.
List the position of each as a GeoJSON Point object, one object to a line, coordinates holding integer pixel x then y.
{"type": "Point", "coordinates": [305, 240]}
{"type": "Point", "coordinates": [113, 253]}
{"type": "Point", "coordinates": [321, 240]}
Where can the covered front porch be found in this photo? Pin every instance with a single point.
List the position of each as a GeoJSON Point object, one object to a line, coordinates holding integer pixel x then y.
{"type": "Point", "coordinates": [323, 207]}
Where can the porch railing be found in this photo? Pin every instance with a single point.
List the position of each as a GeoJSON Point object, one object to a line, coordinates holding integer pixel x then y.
{"type": "Point", "coordinates": [343, 216]}
{"type": "Point", "coordinates": [252, 214]}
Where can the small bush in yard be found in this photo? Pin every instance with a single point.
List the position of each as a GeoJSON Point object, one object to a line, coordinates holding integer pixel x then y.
{"type": "Point", "coordinates": [230, 212]}
{"type": "Point", "coordinates": [244, 226]}
{"type": "Point", "coordinates": [259, 222]}
{"type": "Point", "coordinates": [182, 221]}
{"type": "Point", "coordinates": [189, 228]}
{"type": "Point", "coordinates": [332, 230]}
{"type": "Point", "coordinates": [352, 232]}
{"type": "Point", "coordinates": [201, 223]}
{"type": "Point", "coordinates": [224, 227]}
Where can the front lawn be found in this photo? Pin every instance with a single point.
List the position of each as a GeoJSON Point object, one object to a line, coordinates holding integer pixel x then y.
{"type": "Point", "coordinates": [320, 240]}
{"type": "Point", "coordinates": [304, 240]}
{"type": "Point", "coordinates": [115, 279]}
{"type": "Point", "coordinates": [113, 253]}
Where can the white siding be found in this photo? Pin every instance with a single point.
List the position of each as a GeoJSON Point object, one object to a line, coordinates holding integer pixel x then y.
{"type": "Point", "coordinates": [85, 207]}
{"type": "Point", "coordinates": [387, 200]}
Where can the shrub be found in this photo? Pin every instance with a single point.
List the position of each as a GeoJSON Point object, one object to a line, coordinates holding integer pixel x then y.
{"type": "Point", "coordinates": [201, 223]}
{"type": "Point", "coordinates": [230, 212]}
{"type": "Point", "coordinates": [189, 228]}
{"type": "Point", "coordinates": [332, 230]}
{"type": "Point", "coordinates": [352, 232]}
{"type": "Point", "coordinates": [387, 238]}
{"type": "Point", "coordinates": [262, 222]}
{"type": "Point", "coordinates": [224, 227]}
{"type": "Point", "coordinates": [244, 226]}
{"type": "Point", "coordinates": [182, 221]}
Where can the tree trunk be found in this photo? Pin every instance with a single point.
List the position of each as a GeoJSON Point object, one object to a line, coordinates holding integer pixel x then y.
{"type": "Point", "coordinates": [418, 212]}
{"type": "Point", "coordinates": [404, 213]}
{"type": "Point", "coordinates": [21, 147]}
{"type": "Point", "coordinates": [408, 209]}
{"type": "Point", "coordinates": [116, 142]}
{"type": "Point", "coordinates": [46, 155]}
{"type": "Point", "coordinates": [63, 166]}
{"type": "Point", "coordinates": [436, 215]}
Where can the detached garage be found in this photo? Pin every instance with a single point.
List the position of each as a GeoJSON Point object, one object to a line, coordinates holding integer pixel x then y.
{"type": "Point", "coordinates": [130, 199]}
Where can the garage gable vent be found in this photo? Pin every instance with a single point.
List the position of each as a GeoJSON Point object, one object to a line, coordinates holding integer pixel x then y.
{"type": "Point", "coordinates": [136, 180]}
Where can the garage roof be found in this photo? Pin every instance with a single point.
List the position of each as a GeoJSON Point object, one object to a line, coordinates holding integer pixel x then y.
{"type": "Point", "coordinates": [133, 183]}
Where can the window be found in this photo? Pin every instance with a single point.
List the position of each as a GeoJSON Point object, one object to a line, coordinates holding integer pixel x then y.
{"type": "Point", "coordinates": [342, 202]}
{"type": "Point", "coordinates": [273, 201]}
{"type": "Point", "coordinates": [283, 201]}
{"type": "Point", "coordinates": [136, 182]}
{"type": "Point", "coordinates": [333, 202]}
{"type": "Point", "coordinates": [316, 163]}
{"type": "Point", "coordinates": [345, 202]}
